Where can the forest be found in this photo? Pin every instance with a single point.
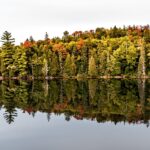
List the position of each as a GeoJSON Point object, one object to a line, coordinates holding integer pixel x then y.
{"type": "Point", "coordinates": [114, 52]}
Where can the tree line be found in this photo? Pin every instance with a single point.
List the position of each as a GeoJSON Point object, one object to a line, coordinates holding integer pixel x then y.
{"type": "Point", "coordinates": [95, 53]}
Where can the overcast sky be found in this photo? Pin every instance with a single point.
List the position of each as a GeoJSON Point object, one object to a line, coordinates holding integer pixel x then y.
{"type": "Point", "coordinates": [34, 17]}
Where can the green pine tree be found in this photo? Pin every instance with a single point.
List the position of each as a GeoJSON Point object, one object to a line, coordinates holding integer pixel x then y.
{"type": "Point", "coordinates": [53, 65]}
{"type": "Point", "coordinates": [69, 66]}
{"type": "Point", "coordinates": [92, 70]}
{"type": "Point", "coordinates": [20, 62]}
{"type": "Point", "coordinates": [7, 54]}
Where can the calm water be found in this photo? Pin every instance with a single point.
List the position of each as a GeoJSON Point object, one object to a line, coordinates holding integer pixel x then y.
{"type": "Point", "coordinates": [75, 115]}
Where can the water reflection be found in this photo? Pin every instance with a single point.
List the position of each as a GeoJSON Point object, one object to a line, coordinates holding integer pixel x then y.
{"type": "Point", "coordinates": [100, 100]}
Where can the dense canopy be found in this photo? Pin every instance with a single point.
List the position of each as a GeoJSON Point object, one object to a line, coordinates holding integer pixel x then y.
{"type": "Point", "coordinates": [95, 53]}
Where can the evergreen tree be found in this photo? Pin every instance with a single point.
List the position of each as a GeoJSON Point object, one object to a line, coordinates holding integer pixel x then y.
{"type": "Point", "coordinates": [65, 36]}
{"type": "Point", "coordinates": [46, 36]}
{"type": "Point", "coordinates": [20, 62]}
{"type": "Point", "coordinates": [53, 65]}
{"type": "Point", "coordinates": [7, 54]}
{"type": "Point", "coordinates": [73, 66]}
{"type": "Point", "coordinates": [31, 39]}
{"type": "Point", "coordinates": [92, 70]}
{"type": "Point", "coordinates": [69, 66]}
{"type": "Point", "coordinates": [84, 60]}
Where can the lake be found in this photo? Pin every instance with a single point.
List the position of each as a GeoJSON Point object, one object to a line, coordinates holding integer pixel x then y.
{"type": "Point", "coordinates": [75, 115]}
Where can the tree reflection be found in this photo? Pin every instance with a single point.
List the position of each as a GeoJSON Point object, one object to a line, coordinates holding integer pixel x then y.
{"type": "Point", "coordinates": [8, 94]}
{"type": "Point", "coordinates": [100, 100]}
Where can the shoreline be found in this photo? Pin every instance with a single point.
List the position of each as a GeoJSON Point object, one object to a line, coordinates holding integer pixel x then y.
{"type": "Point", "coordinates": [73, 77]}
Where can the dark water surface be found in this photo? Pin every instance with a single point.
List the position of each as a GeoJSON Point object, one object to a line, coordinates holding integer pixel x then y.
{"type": "Point", "coordinates": [75, 115]}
